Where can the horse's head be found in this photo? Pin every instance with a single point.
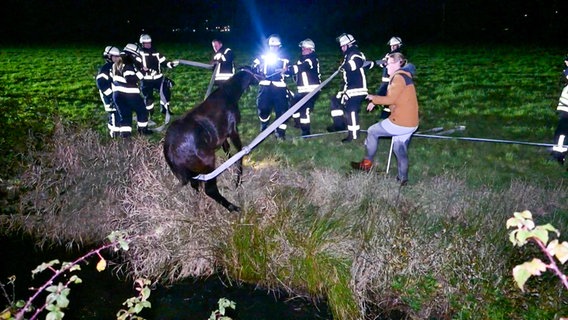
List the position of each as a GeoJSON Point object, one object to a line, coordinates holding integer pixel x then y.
{"type": "Point", "coordinates": [255, 77]}
{"type": "Point", "coordinates": [239, 82]}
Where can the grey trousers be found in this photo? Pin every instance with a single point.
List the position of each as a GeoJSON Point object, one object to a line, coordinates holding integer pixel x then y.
{"type": "Point", "coordinates": [401, 138]}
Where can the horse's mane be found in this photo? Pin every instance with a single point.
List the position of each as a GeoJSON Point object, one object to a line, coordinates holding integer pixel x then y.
{"type": "Point", "coordinates": [237, 84]}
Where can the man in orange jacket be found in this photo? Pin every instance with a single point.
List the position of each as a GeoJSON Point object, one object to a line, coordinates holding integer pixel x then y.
{"type": "Point", "coordinates": [403, 120]}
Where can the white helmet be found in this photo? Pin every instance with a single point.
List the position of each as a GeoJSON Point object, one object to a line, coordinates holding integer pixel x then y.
{"type": "Point", "coordinates": [308, 43]}
{"type": "Point", "coordinates": [111, 51]}
{"type": "Point", "coordinates": [274, 41]}
{"type": "Point", "coordinates": [395, 41]}
{"type": "Point", "coordinates": [131, 49]}
{"type": "Point", "coordinates": [345, 39]}
{"type": "Point", "coordinates": [145, 38]}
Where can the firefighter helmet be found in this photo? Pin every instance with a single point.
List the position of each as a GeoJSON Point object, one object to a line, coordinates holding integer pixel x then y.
{"type": "Point", "coordinates": [274, 41]}
{"type": "Point", "coordinates": [111, 51]}
{"type": "Point", "coordinates": [131, 49]}
{"type": "Point", "coordinates": [145, 38]}
{"type": "Point", "coordinates": [394, 41]}
{"type": "Point", "coordinates": [308, 43]}
{"type": "Point", "coordinates": [345, 39]}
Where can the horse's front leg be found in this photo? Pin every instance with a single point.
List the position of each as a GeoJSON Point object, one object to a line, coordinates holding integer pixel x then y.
{"type": "Point", "coordinates": [236, 140]}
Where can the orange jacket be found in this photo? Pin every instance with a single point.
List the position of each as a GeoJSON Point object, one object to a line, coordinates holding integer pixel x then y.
{"type": "Point", "coordinates": [401, 99]}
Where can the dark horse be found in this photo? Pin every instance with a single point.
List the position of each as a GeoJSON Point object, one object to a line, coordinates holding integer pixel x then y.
{"type": "Point", "coordinates": [191, 141]}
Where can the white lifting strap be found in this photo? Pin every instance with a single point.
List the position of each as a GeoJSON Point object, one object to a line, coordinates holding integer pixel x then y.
{"type": "Point", "coordinates": [247, 149]}
{"type": "Point", "coordinates": [168, 116]}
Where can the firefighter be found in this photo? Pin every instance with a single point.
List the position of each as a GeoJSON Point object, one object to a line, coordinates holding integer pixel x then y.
{"type": "Point", "coordinates": [307, 75]}
{"type": "Point", "coordinates": [395, 43]}
{"type": "Point", "coordinates": [104, 84]}
{"type": "Point", "coordinates": [151, 63]}
{"type": "Point", "coordinates": [223, 61]}
{"type": "Point", "coordinates": [559, 150]}
{"type": "Point", "coordinates": [126, 92]}
{"type": "Point", "coordinates": [346, 105]}
{"type": "Point", "coordinates": [403, 120]}
{"type": "Point", "coordinates": [272, 91]}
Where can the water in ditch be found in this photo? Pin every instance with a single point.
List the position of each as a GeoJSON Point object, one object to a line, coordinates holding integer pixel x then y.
{"type": "Point", "coordinates": [101, 294]}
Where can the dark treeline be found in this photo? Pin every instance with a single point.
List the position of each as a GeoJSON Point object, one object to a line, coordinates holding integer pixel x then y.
{"type": "Point", "coordinates": [65, 21]}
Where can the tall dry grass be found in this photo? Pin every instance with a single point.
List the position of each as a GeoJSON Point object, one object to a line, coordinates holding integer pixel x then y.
{"type": "Point", "coordinates": [358, 240]}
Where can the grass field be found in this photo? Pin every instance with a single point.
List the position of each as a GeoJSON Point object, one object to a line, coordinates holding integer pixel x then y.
{"type": "Point", "coordinates": [437, 248]}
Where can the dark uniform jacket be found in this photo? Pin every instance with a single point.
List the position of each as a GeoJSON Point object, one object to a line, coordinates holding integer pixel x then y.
{"type": "Point", "coordinates": [226, 69]}
{"type": "Point", "coordinates": [153, 61]}
{"type": "Point", "coordinates": [353, 72]}
{"type": "Point", "coordinates": [271, 65]}
{"type": "Point", "coordinates": [126, 81]}
{"type": "Point", "coordinates": [307, 73]}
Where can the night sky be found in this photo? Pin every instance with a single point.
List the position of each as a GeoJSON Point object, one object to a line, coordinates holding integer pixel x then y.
{"type": "Point", "coordinates": [93, 21]}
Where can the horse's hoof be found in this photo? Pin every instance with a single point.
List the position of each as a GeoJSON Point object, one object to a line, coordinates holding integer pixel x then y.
{"type": "Point", "coordinates": [233, 208]}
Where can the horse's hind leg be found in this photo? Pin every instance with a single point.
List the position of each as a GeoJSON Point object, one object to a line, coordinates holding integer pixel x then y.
{"type": "Point", "coordinates": [226, 148]}
{"type": "Point", "coordinates": [212, 191]}
{"type": "Point", "coordinates": [236, 140]}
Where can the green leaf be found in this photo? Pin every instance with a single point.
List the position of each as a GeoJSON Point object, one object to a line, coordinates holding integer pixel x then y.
{"type": "Point", "coordinates": [521, 275]}
{"type": "Point", "coordinates": [523, 272]}
{"type": "Point", "coordinates": [124, 245]}
{"type": "Point", "coordinates": [540, 234]}
{"type": "Point", "coordinates": [75, 279]}
{"type": "Point", "coordinates": [559, 250]}
{"type": "Point", "coordinates": [145, 293]}
{"type": "Point", "coordinates": [549, 227]}
{"type": "Point", "coordinates": [513, 238]}
{"type": "Point", "coordinates": [75, 268]}
{"type": "Point", "coordinates": [54, 315]}
{"type": "Point", "coordinates": [44, 266]}
{"type": "Point", "coordinates": [62, 301]}
{"type": "Point", "coordinates": [522, 236]}
{"type": "Point", "coordinates": [524, 215]}
{"type": "Point", "coordinates": [514, 223]}
{"type": "Point", "coordinates": [52, 288]}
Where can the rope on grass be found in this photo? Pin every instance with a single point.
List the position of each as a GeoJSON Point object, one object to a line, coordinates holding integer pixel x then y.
{"type": "Point", "coordinates": [433, 136]}
{"type": "Point", "coordinates": [443, 135]}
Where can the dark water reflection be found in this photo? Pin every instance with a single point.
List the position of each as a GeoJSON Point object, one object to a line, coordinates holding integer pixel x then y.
{"type": "Point", "coordinates": [101, 294]}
